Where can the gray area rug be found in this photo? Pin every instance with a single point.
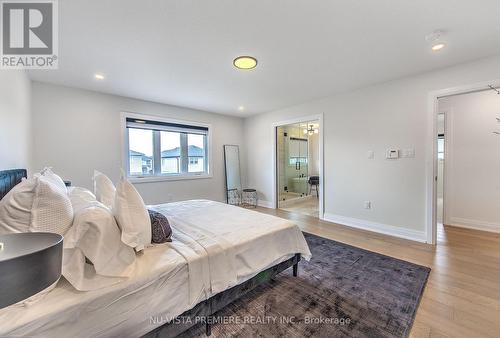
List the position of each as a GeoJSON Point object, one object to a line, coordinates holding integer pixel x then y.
{"type": "Point", "coordinates": [343, 291]}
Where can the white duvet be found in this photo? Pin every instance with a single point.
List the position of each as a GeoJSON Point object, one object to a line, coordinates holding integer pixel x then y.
{"type": "Point", "coordinates": [215, 246]}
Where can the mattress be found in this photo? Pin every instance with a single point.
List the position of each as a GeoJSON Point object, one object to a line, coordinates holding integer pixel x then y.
{"type": "Point", "coordinates": [214, 247]}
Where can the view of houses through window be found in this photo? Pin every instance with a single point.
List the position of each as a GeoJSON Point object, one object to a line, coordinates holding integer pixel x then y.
{"type": "Point", "coordinates": [140, 151]}
{"type": "Point", "coordinates": [179, 152]}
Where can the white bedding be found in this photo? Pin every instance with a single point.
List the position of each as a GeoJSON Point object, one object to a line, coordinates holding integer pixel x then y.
{"type": "Point", "coordinates": [214, 247]}
{"type": "Point", "coordinates": [238, 242]}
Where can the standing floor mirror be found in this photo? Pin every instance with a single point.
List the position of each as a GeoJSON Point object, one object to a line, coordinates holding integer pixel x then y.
{"type": "Point", "coordinates": [233, 176]}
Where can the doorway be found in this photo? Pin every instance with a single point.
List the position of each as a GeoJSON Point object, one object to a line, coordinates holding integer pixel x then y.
{"type": "Point", "coordinates": [441, 157]}
{"type": "Point", "coordinates": [298, 167]}
{"type": "Point", "coordinates": [465, 182]}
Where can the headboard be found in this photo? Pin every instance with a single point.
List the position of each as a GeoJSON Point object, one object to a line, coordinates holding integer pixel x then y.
{"type": "Point", "coordinates": [9, 178]}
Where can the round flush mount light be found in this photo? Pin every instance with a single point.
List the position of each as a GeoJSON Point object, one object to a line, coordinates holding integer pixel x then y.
{"type": "Point", "coordinates": [245, 62]}
{"type": "Point", "coordinates": [99, 76]}
{"type": "Point", "coordinates": [241, 108]}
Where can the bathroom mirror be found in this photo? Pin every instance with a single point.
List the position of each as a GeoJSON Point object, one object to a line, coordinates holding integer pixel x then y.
{"type": "Point", "coordinates": [232, 170]}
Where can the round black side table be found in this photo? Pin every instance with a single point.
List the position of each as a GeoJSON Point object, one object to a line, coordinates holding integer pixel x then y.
{"type": "Point", "coordinates": [29, 263]}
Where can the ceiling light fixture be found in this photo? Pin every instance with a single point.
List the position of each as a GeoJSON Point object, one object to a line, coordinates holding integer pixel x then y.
{"type": "Point", "coordinates": [311, 130]}
{"type": "Point", "coordinates": [438, 46]}
{"type": "Point", "coordinates": [241, 108]}
{"type": "Point", "coordinates": [436, 41]}
{"type": "Point", "coordinates": [245, 62]}
{"type": "Point", "coordinates": [99, 76]}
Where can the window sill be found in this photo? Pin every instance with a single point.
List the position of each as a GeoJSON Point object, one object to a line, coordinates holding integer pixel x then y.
{"type": "Point", "coordinates": [150, 179]}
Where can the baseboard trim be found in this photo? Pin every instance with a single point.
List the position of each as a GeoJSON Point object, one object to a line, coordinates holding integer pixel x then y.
{"type": "Point", "coordinates": [265, 204]}
{"type": "Point", "coordinates": [474, 224]}
{"type": "Point", "coordinates": [418, 236]}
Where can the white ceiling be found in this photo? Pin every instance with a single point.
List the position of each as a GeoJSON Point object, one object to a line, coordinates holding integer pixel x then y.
{"type": "Point", "coordinates": [180, 52]}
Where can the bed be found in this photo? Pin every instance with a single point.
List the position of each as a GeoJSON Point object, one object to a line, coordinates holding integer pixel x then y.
{"type": "Point", "coordinates": [218, 253]}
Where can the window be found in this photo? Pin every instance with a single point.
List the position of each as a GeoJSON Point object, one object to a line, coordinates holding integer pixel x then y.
{"type": "Point", "coordinates": [196, 151]}
{"type": "Point", "coordinates": [170, 152]}
{"type": "Point", "coordinates": [441, 147]}
{"type": "Point", "coordinates": [141, 151]}
{"type": "Point", "coordinates": [158, 148]}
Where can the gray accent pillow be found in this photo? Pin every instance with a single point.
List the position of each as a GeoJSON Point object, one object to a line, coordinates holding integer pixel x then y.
{"type": "Point", "coordinates": [160, 228]}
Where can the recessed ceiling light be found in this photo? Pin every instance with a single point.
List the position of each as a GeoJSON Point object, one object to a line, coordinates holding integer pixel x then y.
{"type": "Point", "coordinates": [435, 39]}
{"type": "Point", "coordinates": [245, 62]}
{"type": "Point", "coordinates": [438, 46]}
{"type": "Point", "coordinates": [99, 76]}
{"type": "Point", "coordinates": [241, 108]}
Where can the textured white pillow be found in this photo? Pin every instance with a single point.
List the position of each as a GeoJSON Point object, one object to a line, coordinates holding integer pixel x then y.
{"type": "Point", "coordinates": [15, 207]}
{"type": "Point", "coordinates": [52, 211]}
{"type": "Point", "coordinates": [104, 189]}
{"type": "Point", "coordinates": [95, 236]}
{"type": "Point", "coordinates": [53, 178]}
{"type": "Point", "coordinates": [132, 216]}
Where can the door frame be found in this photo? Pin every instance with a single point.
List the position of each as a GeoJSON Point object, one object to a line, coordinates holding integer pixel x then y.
{"type": "Point", "coordinates": [448, 135]}
{"type": "Point", "coordinates": [431, 146]}
{"type": "Point", "coordinates": [302, 119]}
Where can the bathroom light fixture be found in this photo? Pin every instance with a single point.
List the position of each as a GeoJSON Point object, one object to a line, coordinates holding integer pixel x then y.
{"type": "Point", "coordinates": [99, 76]}
{"type": "Point", "coordinates": [311, 130]}
{"type": "Point", "coordinates": [245, 62]}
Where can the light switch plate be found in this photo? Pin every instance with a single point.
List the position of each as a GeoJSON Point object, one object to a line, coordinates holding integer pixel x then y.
{"type": "Point", "coordinates": [408, 153]}
{"type": "Point", "coordinates": [370, 154]}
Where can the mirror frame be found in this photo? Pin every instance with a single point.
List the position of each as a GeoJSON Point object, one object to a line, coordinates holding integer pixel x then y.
{"type": "Point", "coordinates": [225, 168]}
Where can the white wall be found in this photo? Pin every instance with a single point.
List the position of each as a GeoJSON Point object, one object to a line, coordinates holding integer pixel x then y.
{"type": "Point", "coordinates": [77, 131]}
{"type": "Point", "coordinates": [15, 120]}
{"type": "Point", "coordinates": [393, 114]}
{"type": "Point", "coordinates": [472, 170]}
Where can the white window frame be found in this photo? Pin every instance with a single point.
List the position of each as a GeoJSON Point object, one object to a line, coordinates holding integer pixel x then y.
{"type": "Point", "coordinates": [163, 177]}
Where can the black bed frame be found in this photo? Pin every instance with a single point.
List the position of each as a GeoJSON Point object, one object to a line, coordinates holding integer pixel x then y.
{"type": "Point", "coordinates": [202, 312]}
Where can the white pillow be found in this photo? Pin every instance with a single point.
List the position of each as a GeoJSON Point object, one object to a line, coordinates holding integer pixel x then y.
{"type": "Point", "coordinates": [132, 216]}
{"type": "Point", "coordinates": [95, 236]}
{"type": "Point", "coordinates": [104, 189]}
{"type": "Point", "coordinates": [80, 198]}
{"type": "Point", "coordinates": [53, 178]}
{"type": "Point", "coordinates": [52, 210]}
{"type": "Point", "coordinates": [15, 207]}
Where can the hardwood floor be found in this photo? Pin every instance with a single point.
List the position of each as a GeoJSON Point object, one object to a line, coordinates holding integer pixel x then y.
{"type": "Point", "coordinates": [309, 207]}
{"type": "Point", "coordinates": [462, 296]}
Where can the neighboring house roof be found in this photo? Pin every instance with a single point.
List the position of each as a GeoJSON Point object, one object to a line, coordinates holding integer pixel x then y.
{"type": "Point", "coordinates": [193, 151]}
{"type": "Point", "coordinates": [136, 153]}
